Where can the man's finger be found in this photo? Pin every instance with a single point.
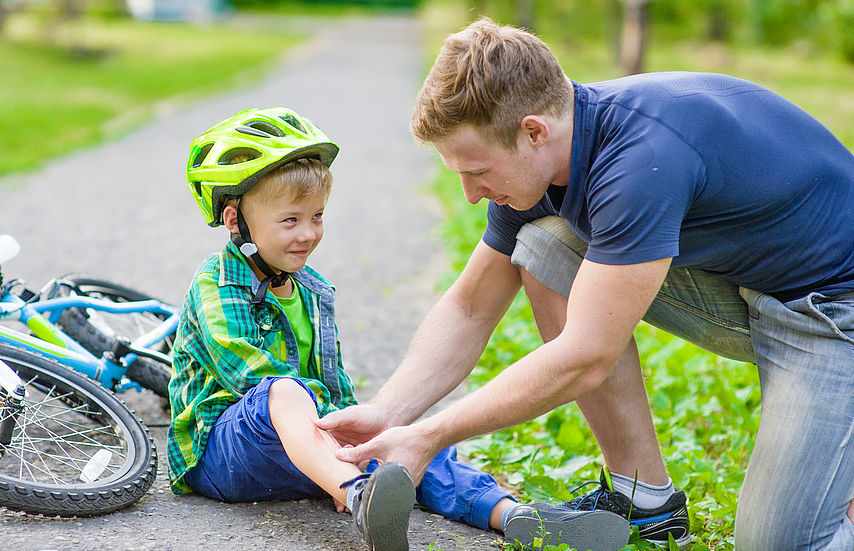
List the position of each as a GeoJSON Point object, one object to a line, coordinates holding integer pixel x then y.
{"type": "Point", "coordinates": [352, 454]}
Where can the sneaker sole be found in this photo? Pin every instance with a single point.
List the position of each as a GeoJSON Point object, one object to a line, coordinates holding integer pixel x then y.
{"type": "Point", "coordinates": [388, 506]}
{"type": "Point", "coordinates": [586, 531]}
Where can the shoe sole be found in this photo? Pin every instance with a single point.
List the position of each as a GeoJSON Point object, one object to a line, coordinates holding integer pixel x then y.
{"type": "Point", "coordinates": [587, 531]}
{"type": "Point", "coordinates": [388, 506]}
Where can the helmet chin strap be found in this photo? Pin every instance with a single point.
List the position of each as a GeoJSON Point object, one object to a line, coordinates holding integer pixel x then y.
{"type": "Point", "coordinates": [243, 240]}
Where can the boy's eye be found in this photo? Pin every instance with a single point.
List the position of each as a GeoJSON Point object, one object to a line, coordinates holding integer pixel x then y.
{"type": "Point", "coordinates": [290, 220]}
{"type": "Point", "coordinates": [318, 216]}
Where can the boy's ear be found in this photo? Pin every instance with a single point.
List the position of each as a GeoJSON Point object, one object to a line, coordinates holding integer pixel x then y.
{"type": "Point", "coordinates": [229, 218]}
{"type": "Point", "coordinates": [535, 130]}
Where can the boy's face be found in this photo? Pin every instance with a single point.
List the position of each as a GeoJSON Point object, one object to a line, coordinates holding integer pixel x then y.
{"type": "Point", "coordinates": [285, 231]}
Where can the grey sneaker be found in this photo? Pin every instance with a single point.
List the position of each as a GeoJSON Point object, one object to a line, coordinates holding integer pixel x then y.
{"type": "Point", "coordinates": [381, 507]}
{"type": "Point", "coordinates": [554, 525]}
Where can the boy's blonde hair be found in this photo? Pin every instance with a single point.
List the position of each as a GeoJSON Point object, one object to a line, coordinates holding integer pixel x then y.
{"type": "Point", "coordinates": [297, 179]}
{"type": "Point", "coordinates": [491, 77]}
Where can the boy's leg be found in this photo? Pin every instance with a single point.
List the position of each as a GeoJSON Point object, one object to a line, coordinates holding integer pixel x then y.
{"type": "Point", "coordinates": [459, 491]}
{"type": "Point", "coordinates": [312, 451]}
{"type": "Point", "coordinates": [800, 481]}
{"type": "Point", "coordinates": [244, 459]}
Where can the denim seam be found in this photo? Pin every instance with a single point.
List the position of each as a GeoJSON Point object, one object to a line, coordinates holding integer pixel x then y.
{"type": "Point", "coordinates": [703, 314]}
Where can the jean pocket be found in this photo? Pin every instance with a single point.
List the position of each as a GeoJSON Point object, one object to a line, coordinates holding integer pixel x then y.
{"type": "Point", "coordinates": [837, 315]}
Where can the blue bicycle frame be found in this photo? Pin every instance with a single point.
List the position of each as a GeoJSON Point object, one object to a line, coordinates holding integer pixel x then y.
{"type": "Point", "coordinates": [49, 340]}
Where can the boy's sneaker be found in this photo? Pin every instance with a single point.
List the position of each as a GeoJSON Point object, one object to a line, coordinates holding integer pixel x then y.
{"type": "Point", "coordinates": [555, 525]}
{"type": "Point", "coordinates": [654, 525]}
{"type": "Point", "coordinates": [381, 507]}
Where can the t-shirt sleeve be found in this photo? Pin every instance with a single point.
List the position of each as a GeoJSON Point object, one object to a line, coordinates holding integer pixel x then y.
{"type": "Point", "coordinates": [638, 196]}
{"type": "Point", "coordinates": [503, 222]}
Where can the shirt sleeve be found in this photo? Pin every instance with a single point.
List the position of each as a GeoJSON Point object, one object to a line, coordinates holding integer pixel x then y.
{"type": "Point", "coordinates": [638, 195]}
{"type": "Point", "coordinates": [503, 222]}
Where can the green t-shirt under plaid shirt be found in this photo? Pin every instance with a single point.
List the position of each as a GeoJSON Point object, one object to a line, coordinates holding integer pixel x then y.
{"type": "Point", "coordinates": [225, 345]}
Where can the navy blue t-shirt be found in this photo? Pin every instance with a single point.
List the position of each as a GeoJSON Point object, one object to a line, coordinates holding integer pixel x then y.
{"type": "Point", "coordinates": [718, 173]}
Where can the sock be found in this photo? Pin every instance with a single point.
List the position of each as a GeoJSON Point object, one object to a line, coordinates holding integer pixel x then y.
{"type": "Point", "coordinates": [646, 496]}
{"type": "Point", "coordinates": [505, 514]}
{"type": "Point", "coordinates": [351, 494]}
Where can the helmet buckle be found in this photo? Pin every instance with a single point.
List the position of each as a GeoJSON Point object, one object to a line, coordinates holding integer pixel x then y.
{"type": "Point", "coordinates": [248, 249]}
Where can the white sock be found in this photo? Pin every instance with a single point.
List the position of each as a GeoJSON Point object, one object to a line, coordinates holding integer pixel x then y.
{"type": "Point", "coordinates": [646, 496]}
{"type": "Point", "coordinates": [351, 495]}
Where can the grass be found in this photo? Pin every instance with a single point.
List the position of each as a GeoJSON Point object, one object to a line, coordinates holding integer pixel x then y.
{"type": "Point", "coordinates": [706, 408]}
{"type": "Point", "coordinates": [96, 78]}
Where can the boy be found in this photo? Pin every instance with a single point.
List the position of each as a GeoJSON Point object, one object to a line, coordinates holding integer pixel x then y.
{"type": "Point", "coordinates": [257, 359]}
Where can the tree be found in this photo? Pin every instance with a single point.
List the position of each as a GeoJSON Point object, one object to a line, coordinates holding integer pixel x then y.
{"type": "Point", "coordinates": [634, 35]}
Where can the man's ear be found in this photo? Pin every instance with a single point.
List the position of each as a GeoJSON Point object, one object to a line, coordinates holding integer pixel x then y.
{"type": "Point", "coordinates": [535, 130]}
{"type": "Point", "coordinates": [229, 218]}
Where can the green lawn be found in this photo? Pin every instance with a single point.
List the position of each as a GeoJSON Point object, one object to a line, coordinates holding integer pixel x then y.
{"type": "Point", "coordinates": [705, 407]}
{"type": "Point", "coordinates": [96, 78]}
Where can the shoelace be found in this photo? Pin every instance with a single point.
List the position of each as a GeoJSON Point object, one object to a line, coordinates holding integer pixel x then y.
{"type": "Point", "coordinates": [348, 483]}
{"type": "Point", "coordinates": [591, 499]}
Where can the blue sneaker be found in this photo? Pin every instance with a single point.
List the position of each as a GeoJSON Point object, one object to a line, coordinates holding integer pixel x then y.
{"type": "Point", "coordinates": [654, 525]}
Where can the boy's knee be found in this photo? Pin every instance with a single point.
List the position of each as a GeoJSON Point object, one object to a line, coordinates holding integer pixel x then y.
{"type": "Point", "coordinates": [288, 391]}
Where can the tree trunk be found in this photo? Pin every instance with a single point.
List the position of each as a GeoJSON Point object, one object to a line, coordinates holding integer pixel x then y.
{"type": "Point", "coordinates": [633, 44]}
{"type": "Point", "coordinates": [525, 14]}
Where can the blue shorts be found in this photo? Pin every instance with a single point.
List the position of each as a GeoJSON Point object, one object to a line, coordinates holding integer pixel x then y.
{"type": "Point", "coordinates": [244, 461]}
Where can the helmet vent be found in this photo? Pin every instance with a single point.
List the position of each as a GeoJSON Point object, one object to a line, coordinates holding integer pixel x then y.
{"type": "Point", "coordinates": [238, 155]}
{"type": "Point", "coordinates": [293, 121]}
{"type": "Point", "coordinates": [200, 156]}
{"type": "Point", "coordinates": [264, 126]}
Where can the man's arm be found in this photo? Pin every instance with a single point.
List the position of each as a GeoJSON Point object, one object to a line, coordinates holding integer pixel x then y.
{"type": "Point", "coordinates": [443, 351]}
{"type": "Point", "coordinates": [605, 305]}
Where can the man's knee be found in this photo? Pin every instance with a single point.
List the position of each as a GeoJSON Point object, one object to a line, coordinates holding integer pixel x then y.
{"type": "Point", "coordinates": [548, 251]}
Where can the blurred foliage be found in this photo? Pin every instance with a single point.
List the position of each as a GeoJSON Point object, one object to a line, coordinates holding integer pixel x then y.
{"type": "Point", "coordinates": [70, 82]}
{"type": "Point", "coordinates": [826, 24]}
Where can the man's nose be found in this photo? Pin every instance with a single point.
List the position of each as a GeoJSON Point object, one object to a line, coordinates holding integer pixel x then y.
{"type": "Point", "coordinates": [473, 192]}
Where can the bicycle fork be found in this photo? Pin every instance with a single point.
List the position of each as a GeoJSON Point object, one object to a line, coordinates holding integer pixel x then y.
{"type": "Point", "coordinates": [12, 395]}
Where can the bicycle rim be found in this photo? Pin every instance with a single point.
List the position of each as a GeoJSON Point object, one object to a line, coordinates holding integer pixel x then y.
{"type": "Point", "coordinates": [76, 449]}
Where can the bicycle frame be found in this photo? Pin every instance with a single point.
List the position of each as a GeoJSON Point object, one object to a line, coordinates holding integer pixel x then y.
{"type": "Point", "coordinates": [50, 341]}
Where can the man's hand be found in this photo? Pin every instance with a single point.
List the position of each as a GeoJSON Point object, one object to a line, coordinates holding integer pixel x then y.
{"type": "Point", "coordinates": [355, 424]}
{"type": "Point", "coordinates": [408, 445]}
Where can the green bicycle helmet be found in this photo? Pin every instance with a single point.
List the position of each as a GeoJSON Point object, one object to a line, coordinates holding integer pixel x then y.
{"type": "Point", "coordinates": [265, 138]}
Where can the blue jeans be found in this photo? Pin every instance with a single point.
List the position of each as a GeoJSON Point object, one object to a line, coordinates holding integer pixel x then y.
{"type": "Point", "coordinates": [801, 474]}
{"type": "Point", "coordinates": [244, 461]}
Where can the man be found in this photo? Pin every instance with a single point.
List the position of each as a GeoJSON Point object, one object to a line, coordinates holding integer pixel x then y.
{"type": "Point", "coordinates": [707, 205]}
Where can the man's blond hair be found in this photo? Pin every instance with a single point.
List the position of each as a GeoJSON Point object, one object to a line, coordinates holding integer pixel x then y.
{"type": "Point", "coordinates": [491, 77]}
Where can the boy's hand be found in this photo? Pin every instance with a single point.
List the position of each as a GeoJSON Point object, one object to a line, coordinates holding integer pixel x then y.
{"type": "Point", "coordinates": [355, 424]}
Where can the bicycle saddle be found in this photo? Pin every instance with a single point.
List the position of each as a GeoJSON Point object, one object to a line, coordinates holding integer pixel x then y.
{"type": "Point", "coordinates": [9, 248]}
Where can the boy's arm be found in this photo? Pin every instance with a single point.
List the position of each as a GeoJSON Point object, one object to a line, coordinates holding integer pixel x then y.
{"type": "Point", "coordinates": [443, 351]}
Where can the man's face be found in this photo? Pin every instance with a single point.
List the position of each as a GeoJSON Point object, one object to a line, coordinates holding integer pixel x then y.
{"type": "Point", "coordinates": [490, 171]}
{"type": "Point", "coordinates": [286, 231]}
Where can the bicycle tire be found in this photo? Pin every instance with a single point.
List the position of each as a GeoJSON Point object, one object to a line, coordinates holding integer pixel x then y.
{"type": "Point", "coordinates": [67, 420]}
{"type": "Point", "coordinates": [97, 331]}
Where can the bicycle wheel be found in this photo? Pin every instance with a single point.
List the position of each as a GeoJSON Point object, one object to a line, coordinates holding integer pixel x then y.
{"type": "Point", "coordinates": [76, 449]}
{"type": "Point", "coordinates": [97, 331]}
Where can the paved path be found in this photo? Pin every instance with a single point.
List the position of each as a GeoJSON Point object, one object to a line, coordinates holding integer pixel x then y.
{"type": "Point", "coordinates": [122, 211]}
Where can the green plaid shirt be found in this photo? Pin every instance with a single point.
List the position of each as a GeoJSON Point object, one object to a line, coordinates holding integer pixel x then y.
{"type": "Point", "coordinates": [225, 346]}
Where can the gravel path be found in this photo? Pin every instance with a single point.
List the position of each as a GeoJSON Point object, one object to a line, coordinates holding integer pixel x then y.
{"type": "Point", "coordinates": [121, 211]}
